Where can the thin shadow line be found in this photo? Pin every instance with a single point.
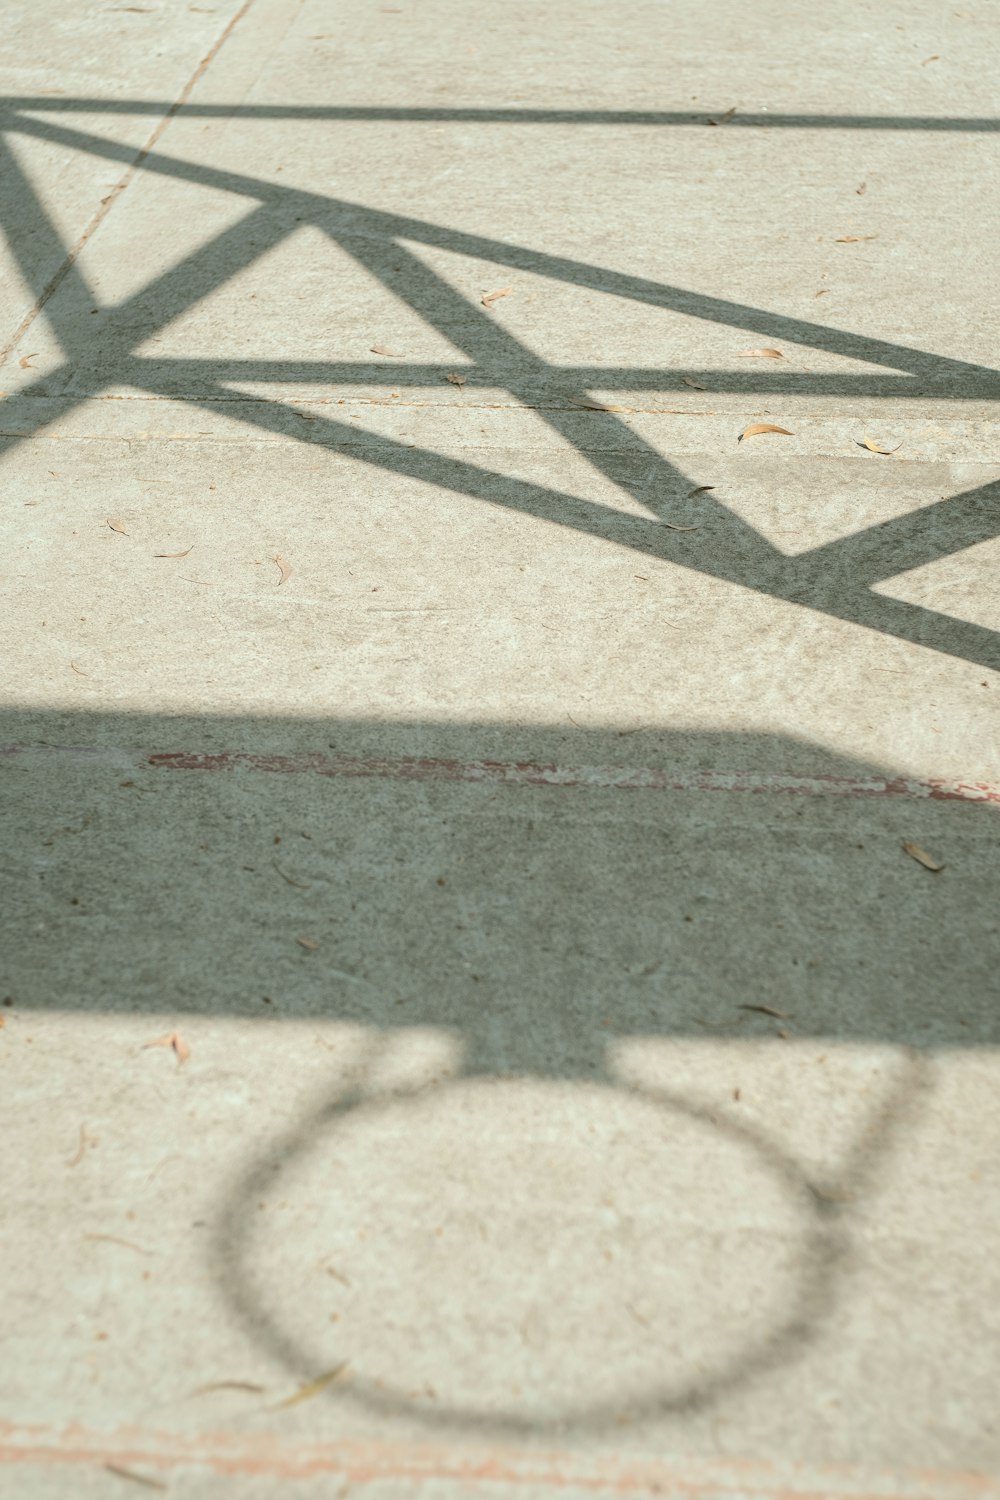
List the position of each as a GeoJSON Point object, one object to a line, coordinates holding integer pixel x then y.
{"type": "Point", "coordinates": [493, 373]}
{"type": "Point", "coordinates": [491, 115]}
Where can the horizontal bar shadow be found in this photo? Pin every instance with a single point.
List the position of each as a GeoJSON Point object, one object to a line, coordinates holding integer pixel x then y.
{"type": "Point", "coordinates": [493, 115]}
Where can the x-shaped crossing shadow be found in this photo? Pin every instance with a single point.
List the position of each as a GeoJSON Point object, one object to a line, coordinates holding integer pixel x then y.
{"type": "Point", "coordinates": [837, 579]}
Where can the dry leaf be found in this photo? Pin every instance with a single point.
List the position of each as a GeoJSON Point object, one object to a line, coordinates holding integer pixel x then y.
{"type": "Point", "coordinates": [589, 405]}
{"type": "Point", "coordinates": [310, 944]}
{"type": "Point", "coordinates": [823, 293]}
{"type": "Point", "coordinates": [765, 1010]}
{"type": "Point", "coordinates": [756, 427]}
{"type": "Point", "coordinates": [922, 857]}
{"type": "Point", "coordinates": [174, 554]}
{"type": "Point", "coordinates": [488, 298]}
{"type": "Point", "coordinates": [860, 190]}
{"type": "Point", "coordinates": [760, 354]}
{"type": "Point", "coordinates": [305, 1392]}
{"type": "Point", "coordinates": [700, 490]}
{"type": "Point", "coordinates": [79, 670]}
{"type": "Point", "coordinates": [694, 384]}
{"type": "Point", "coordinates": [172, 1039]}
{"type": "Point", "coordinates": [854, 239]}
{"type": "Point", "coordinates": [670, 525]}
{"type": "Point", "coordinates": [723, 119]}
{"type": "Point", "coordinates": [389, 353]}
{"type": "Point", "coordinates": [118, 526]}
{"type": "Point", "coordinates": [874, 447]}
{"type": "Point", "coordinates": [456, 379]}
{"type": "Point", "coordinates": [25, 361]}
{"type": "Point", "coordinates": [283, 568]}
{"type": "Point", "coordinates": [934, 57]}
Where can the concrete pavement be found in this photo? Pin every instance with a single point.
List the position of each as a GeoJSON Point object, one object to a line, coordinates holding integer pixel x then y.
{"type": "Point", "coordinates": [482, 774]}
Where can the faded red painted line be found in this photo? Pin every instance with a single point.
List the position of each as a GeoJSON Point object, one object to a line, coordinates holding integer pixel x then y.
{"type": "Point", "coordinates": [239, 1455]}
{"type": "Point", "coordinates": [520, 773]}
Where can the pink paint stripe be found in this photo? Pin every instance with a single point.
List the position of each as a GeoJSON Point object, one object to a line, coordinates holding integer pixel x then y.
{"type": "Point", "coordinates": [499, 1469]}
{"type": "Point", "coordinates": [614, 778]}
{"type": "Point", "coordinates": [521, 773]}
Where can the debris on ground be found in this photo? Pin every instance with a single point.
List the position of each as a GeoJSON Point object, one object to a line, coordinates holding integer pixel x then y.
{"type": "Point", "coordinates": [306, 1392]}
{"type": "Point", "coordinates": [172, 1039]}
{"type": "Point", "coordinates": [143, 1479]}
{"type": "Point", "coordinates": [85, 1141]}
{"type": "Point", "coordinates": [756, 427]}
{"type": "Point", "coordinates": [249, 1386]}
{"type": "Point", "coordinates": [922, 857]}
{"type": "Point", "coordinates": [116, 1239]}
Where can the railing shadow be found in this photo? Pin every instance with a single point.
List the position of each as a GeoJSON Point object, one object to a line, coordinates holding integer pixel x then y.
{"type": "Point", "coordinates": [838, 579]}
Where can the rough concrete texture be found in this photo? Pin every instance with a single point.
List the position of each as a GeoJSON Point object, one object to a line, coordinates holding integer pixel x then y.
{"type": "Point", "coordinates": [487, 776]}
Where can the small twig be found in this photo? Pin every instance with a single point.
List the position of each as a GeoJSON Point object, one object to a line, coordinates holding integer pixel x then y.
{"type": "Point", "coordinates": [114, 1239]}
{"type": "Point", "coordinates": [122, 1473]}
{"type": "Point", "coordinates": [306, 1392]}
{"type": "Point", "coordinates": [230, 1385]}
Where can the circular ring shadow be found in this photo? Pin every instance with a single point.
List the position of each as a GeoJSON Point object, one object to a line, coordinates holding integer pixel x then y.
{"type": "Point", "coordinates": [806, 1294]}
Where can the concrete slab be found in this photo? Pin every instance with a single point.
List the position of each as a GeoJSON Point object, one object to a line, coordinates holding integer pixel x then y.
{"type": "Point", "coordinates": [471, 1021]}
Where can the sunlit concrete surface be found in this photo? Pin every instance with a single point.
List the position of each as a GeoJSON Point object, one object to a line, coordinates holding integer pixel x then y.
{"type": "Point", "coordinates": [500, 882]}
